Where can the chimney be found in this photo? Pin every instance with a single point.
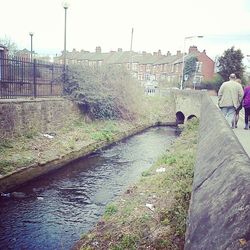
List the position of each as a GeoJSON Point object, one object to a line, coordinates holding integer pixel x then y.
{"type": "Point", "coordinates": [119, 50]}
{"type": "Point", "coordinates": [159, 52]}
{"type": "Point", "coordinates": [168, 53]}
{"type": "Point", "coordinates": [178, 53]}
{"type": "Point", "coordinates": [192, 49]}
{"type": "Point", "coordinates": [204, 51]}
{"type": "Point", "coordinates": [98, 49]}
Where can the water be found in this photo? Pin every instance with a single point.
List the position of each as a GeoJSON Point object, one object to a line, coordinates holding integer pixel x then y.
{"type": "Point", "coordinates": [63, 205]}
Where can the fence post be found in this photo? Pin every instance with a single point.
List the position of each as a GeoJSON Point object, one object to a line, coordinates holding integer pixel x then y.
{"type": "Point", "coordinates": [34, 78]}
{"type": "Point", "coordinates": [52, 76]}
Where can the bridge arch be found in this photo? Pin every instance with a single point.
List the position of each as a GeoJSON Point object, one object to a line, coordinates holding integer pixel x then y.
{"type": "Point", "coordinates": [191, 117]}
{"type": "Point", "coordinates": [180, 117]}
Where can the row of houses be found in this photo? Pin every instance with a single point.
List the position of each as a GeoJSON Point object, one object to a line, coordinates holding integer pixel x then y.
{"type": "Point", "coordinates": [146, 66]}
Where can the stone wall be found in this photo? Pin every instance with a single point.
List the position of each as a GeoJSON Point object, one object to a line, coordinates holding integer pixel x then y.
{"type": "Point", "coordinates": [219, 212]}
{"type": "Point", "coordinates": [43, 115]}
{"type": "Point", "coordinates": [188, 102]}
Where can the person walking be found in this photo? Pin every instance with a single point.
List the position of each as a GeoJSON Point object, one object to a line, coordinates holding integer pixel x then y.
{"type": "Point", "coordinates": [246, 105]}
{"type": "Point", "coordinates": [229, 98]}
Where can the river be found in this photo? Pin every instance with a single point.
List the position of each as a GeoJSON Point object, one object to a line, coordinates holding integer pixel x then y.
{"type": "Point", "coordinates": [63, 205]}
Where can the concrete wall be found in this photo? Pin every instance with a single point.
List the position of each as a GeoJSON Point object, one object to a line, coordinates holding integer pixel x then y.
{"type": "Point", "coordinates": [43, 115]}
{"type": "Point", "coordinates": [219, 212]}
{"type": "Point", "coordinates": [188, 102]}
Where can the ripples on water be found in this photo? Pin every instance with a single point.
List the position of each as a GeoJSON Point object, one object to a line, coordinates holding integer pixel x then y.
{"type": "Point", "coordinates": [73, 198]}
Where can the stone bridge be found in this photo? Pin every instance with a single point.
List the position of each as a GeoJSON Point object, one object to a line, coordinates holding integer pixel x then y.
{"type": "Point", "coordinates": [219, 211]}
{"type": "Point", "coordinates": [185, 104]}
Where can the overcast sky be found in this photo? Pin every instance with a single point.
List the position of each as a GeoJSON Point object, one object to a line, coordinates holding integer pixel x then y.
{"type": "Point", "coordinates": [158, 24]}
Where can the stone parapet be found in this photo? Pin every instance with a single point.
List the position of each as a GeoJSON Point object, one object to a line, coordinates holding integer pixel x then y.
{"type": "Point", "coordinates": [220, 203]}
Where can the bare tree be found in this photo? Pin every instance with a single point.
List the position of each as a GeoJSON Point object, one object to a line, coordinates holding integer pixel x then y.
{"type": "Point", "coordinates": [9, 44]}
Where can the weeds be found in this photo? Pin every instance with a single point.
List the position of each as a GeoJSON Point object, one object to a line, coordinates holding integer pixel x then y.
{"type": "Point", "coordinates": [127, 242]}
{"type": "Point", "coordinates": [132, 225]}
{"type": "Point", "coordinates": [110, 210]}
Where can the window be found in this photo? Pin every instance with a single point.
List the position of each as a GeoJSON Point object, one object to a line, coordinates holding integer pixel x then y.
{"type": "Point", "coordinates": [176, 68]}
{"type": "Point", "coordinates": [198, 66]}
{"type": "Point", "coordinates": [134, 66]}
{"type": "Point", "coordinates": [197, 79]}
{"type": "Point", "coordinates": [172, 68]}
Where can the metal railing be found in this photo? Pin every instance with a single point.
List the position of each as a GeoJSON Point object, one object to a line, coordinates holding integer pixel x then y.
{"type": "Point", "coordinates": [20, 77]}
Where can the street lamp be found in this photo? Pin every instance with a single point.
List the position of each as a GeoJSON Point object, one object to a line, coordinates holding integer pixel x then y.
{"type": "Point", "coordinates": [31, 45]}
{"type": "Point", "coordinates": [183, 57]}
{"type": "Point", "coordinates": [65, 6]}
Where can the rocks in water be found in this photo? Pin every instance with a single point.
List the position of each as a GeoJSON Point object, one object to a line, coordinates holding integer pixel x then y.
{"type": "Point", "coordinates": [18, 195]}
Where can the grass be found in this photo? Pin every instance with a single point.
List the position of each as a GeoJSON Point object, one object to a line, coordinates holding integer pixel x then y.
{"type": "Point", "coordinates": [34, 148]}
{"type": "Point", "coordinates": [129, 224]}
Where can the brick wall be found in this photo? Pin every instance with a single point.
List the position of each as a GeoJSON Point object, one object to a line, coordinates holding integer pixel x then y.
{"type": "Point", "coordinates": [43, 115]}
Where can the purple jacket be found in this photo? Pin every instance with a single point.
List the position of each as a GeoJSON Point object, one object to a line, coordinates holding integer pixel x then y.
{"type": "Point", "coordinates": [246, 98]}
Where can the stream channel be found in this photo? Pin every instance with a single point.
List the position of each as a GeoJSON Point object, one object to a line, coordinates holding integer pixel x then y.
{"type": "Point", "coordinates": [64, 204]}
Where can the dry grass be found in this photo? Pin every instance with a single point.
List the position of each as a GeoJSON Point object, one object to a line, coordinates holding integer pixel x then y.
{"type": "Point", "coordinates": [34, 148]}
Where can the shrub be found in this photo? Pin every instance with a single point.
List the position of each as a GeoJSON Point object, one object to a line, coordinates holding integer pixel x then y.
{"type": "Point", "coordinates": [106, 92]}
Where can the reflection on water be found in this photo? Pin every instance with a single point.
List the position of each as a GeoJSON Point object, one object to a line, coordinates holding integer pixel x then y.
{"type": "Point", "coordinates": [61, 206]}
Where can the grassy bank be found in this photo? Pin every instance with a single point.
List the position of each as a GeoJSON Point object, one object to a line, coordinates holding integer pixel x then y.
{"type": "Point", "coordinates": [37, 148]}
{"type": "Point", "coordinates": [151, 214]}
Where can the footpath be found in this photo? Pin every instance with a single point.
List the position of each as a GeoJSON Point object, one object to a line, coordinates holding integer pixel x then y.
{"type": "Point", "coordinates": [242, 134]}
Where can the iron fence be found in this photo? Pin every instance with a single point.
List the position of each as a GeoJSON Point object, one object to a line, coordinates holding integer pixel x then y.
{"type": "Point", "coordinates": [20, 77]}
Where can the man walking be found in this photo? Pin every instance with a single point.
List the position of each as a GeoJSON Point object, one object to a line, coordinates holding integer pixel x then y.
{"type": "Point", "coordinates": [229, 98]}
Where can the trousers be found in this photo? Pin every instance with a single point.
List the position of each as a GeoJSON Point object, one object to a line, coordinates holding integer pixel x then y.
{"type": "Point", "coordinates": [229, 113]}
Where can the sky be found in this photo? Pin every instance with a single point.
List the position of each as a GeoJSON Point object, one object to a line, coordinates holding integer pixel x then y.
{"type": "Point", "coordinates": [157, 24]}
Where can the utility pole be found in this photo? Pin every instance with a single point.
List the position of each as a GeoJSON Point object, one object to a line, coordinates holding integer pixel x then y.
{"type": "Point", "coordinates": [131, 47]}
{"type": "Point", "coordinates": [131, 44]}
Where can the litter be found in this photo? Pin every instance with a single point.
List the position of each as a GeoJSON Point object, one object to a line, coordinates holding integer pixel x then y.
{"type": "Point", "coordinates": [48, 136]}
{"type": "Point", "coordinates": [160, 170]}
{"type": "Point", "coordinates": [5, 194]}
{"type": "Point", "coordinates": [150, 206]}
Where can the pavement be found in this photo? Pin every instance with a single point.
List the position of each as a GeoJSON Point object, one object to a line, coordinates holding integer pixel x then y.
{"type": "Point", "coordinates": [242, 134]}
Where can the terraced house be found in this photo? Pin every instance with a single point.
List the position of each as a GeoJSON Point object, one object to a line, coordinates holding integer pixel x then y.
{"type": "Point", "coordinates": [146, 66]}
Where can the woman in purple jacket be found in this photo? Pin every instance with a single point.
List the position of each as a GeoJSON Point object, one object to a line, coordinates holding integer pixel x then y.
{"type": "Point", "coordinates": [246, 105]}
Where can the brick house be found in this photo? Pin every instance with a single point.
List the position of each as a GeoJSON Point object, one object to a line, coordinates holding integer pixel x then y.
{"type": "Point", "coordinates": [204, 66]}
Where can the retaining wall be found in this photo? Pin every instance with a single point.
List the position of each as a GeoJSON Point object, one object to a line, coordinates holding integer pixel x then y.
{"type": "Point", "coordinates": [22, 116]}
{"type": "Point", "coordinates": [219, 212]}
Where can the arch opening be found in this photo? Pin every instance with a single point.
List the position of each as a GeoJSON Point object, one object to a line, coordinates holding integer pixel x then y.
{"type": "Point", "coordinates": [180, 117]}
{"type": "Point", "coordinates": [191, 117]}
